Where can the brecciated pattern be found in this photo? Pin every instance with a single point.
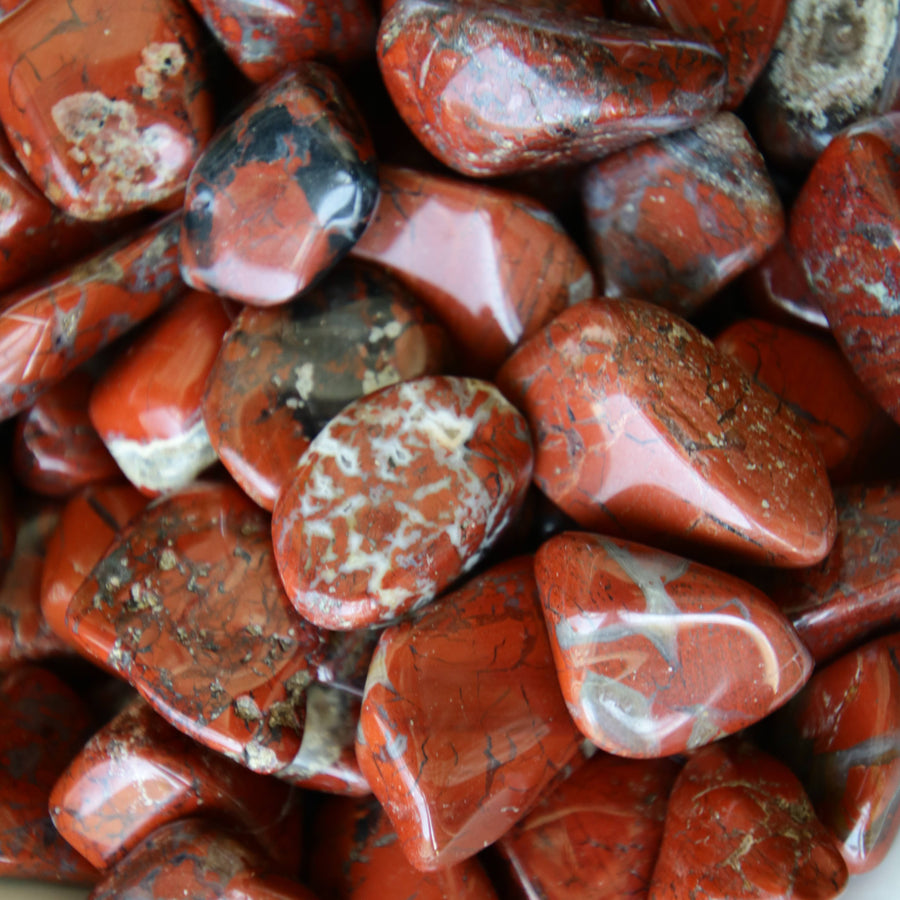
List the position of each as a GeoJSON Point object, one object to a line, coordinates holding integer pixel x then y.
{"type": "Point", "coordinates": [641, 426]}
{"type": "Point", "coordinates": [398, 496]}
{"type": "Point", "coordinates": [491, 90]}
{"type": "Point", "coordinates": [657, 654]}
{"type": "Point", "coordinates": [188, 607]}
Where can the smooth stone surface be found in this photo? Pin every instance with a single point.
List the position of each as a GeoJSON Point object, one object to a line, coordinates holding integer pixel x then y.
{"type": "Point", "coordinates": [846, 235]}
{"type": "Point", "coordinates": [500, 89]}
{"type": "Point", "coordinates": [521, 267]}
{"type": "Point", "coordinates": [643, 428]}
{"type": "Point", "coordinates": [674, 220]}
{"type": "Point", "coordinates": [463, 724]}
{"type": "Point", "coordinates": [656, 654]}
{"type": "Point", "coordinates": [147, 406]}
{"type": "Point", "coordinates": [281, 193]}
{"type": "Point", "coordinates": [49, 328]}
{"type": "Point", "coordinates": [187, 606]}
{"type": "Point", "coordinates": [596, 835]}
{"type": "Point", "coordinates": [42, 725]}
{"type": "Point", "coordinates": [739, 825]}
{"type": "Point", "coordinates": [104, 105]}
{"type": "Point", "coordinates": [282, 374]}
{"type": "Point", "coordinates": [398, 496]}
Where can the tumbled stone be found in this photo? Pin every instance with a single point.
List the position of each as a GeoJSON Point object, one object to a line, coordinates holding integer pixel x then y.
{"type": "Point", "coordinates": [494, 267]}
{"type": "Point", "coordinates": [499, 89]}
{"type": "Point", "coordinates": [657, 654]}
{"type": "Point", "coordinates": [398, 496]}
{"type": "Point", "coordinates": [740, 825]}
{"type": "Point", "coordinates": [643, 428]}
{"type": "Point", "coordinates": [463, 724]}
{"type": "Point", "coordinates": [674, 220]}
{"type": "Point", "coordinates": [283, 373]}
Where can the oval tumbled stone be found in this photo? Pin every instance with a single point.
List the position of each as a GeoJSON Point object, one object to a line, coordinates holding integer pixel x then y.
{"type": "Point", "coordinates": [399, 495]}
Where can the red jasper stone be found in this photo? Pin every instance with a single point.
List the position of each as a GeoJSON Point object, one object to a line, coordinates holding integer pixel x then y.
{"type": "Point", "coordinates": [138, 773]}
{"type": "Point", "coordinates": [87, 526]}
{"type": "Point", "coordinates": [188, 607]}
{"type": "Point", "coordinates": [846, 234]}
{"type": "Point", "coordinates": [855, 590]}
{"type": "Point", "coordinates": [146, 407]}
{"type": "Point", "coordinates": [281, 194]}
{"type": "Point", "coordinates": [521, 267]}
{"type": "Point", "coordinates": [505, 89]}
{"type": "Point", "coordinates": [596, 835]}
{"type": "Point", "coordinates": [56, 450]}
{"type": "Point", "coordinates": [398, 496]}
{"type": "Point", "coordinates": [283, 373]}
{"type": "Point", "coordinates": [657, 654]}
{"type": "Point", "coordinates": [358, 857]}
{"type": "Point", "coordinates": [810, 375]}
{"type": "Point", "coordinates": [105, 105]}
{"type": "Point", "coordinates": [48, 329]}
{"type": "Point", "coordinates": [641, 426]}
{"type": "Point", "coordinates": [841, 735]}
{"type": "Point", "coordinates": [674, 220]}
{"type": "Point", "coordinates": [740, 825]}
{"type": "Point", "coordinates": [265, 39]}
{"type": "Point", "coordinates": [42, 725]}
{"type": "Point", "coordinates": [463, 724]}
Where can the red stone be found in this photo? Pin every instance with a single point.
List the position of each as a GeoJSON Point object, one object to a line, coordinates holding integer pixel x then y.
{"type": "Point", "coordinates": [596, 835]}
{"type": "Point", "coordinates": [281, 193]}
{"type": "Point", "coordinates": [42, 725]}
{"type": "Point", "coordinates": [846, 234]}
{"type": "Point", "coordinates": [642, 427]}
{"type": "Point", "coordinates": [188, 607]}
{"type": "Point", "coordinates": [521, 268]}
{"type": "Point", "coordinates": [809, 374]}
{"type": "Point", "coordinates": [48, 329]}
{"type": "Point", "coordinates": [657, 654]}
{"type": "Point", "coordinates": [463, 724]}
{"type": "Point", "coordinates": [500, 89]}
{"type": "Point", "coordinates": [105, 105]}
{"type": "Point", "coordinates": [282, 374]}
{"type": "Point", "coordinates": [56, 450]}
{"type": "Point", "coordinates": [357, 856]}
{"type": "Point", "coordinates": [147, 406]}
{"type": "Point", "coordinates": [841, 735]}
{"type": "Point", "coordinates": [739, 826]}
{"type": "Point", "coordinates": [398, 496]}
{"type": "Point", "coordinates": [138, 773]}
{"type": "Point", "coordinates": [674, 220]}
{"type": "Point", "coordinates": [265, 39]}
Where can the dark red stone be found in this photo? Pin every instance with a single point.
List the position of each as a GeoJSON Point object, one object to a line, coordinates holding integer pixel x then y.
{"type": "Point", "coordinates": [282, 374]}
{"type": "Point", "coordinates": [147, 405]}
{"type": "Point", "coordinates": [265, 39]}
{"type": "Point", "coordinates": [48, 329]}
{"type": "Point", "coordinates": [657, 654]}
{"type": "Point", "coordinates": [187, 605]}
{"type": "Point", "coordinates": [398, 496]}
{"type": "Point", "coordinates": [841, 735]}
{"type": "Point", "coordinates": [281, 193]}
{"type": "Point", "coordinates": [499, 89]}
{"type": "Point", "coordinates": [42, 726]}
{"type": "Point", "coordinates": [105, 105]}
{"type": "Point", "coordinates": [463, 724]}
{"type": "Point", "coordinates": [521, 268]}
{"type": "Point", "coordinates": [674, 220]}
{"type": "Point", "coordinates": [138, 773]}
{"type": "Point", "coordinates": [845, 231]}
{"type": "Point", "coordinates": [642, 427]}
{"type": "Point", "coordinates": [740, 825]}
{"type": "Point", "coordinates": [595, 835]}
